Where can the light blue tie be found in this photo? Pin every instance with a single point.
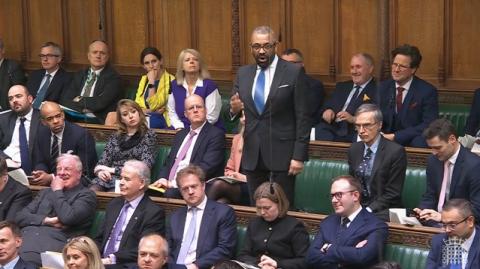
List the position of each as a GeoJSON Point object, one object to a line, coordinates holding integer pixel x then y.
{"type": "Point", "coordinates": [42, 93]}
{"type": "Point", "coordinates": [259, 96]}
{"type": "Point", "coordinates": [189, 236]}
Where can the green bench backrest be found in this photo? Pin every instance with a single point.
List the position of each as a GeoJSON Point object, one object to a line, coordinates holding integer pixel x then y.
{"type": "Point", "coordinates": [97, 222]}
{"type": "Point", "coordinates": [162, 154]}
{"type": "Point", "coordinates": [414, 186]}
{"type": "Point", "coordinates": [457, 114]}
{"type": "Point", "coordinates": [408, 257]}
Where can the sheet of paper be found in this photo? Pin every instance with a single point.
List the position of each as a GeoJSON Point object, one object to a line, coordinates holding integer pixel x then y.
{"type": "Point", "coordinates": [52, 260]}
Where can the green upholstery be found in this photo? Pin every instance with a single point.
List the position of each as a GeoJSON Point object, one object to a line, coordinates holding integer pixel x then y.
{"type": "Point", "coordinates": [312, 186]}
{"type": "Point", "coordinates": [230, 125]}
{"type": "Point", "coordinates": [241, 234]}
{"type": "Point", "coordinates": [97, 222]}
{"type": "Point", "coordinates": [408, 257]}
{"type": "Point", "coordinates": [162, 154]}
{"type": "Point", "coordinates": [100, 147]}
{"type": "Point", "coordinates": [457, 114]}
{"type": "Point", "coordinates": [130, 92]}
{"type": "Point", "coordinates": [414, 187]}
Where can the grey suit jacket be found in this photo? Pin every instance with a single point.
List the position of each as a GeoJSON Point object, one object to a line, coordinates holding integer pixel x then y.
{"type": "Point", "coordinates": [281, 133]}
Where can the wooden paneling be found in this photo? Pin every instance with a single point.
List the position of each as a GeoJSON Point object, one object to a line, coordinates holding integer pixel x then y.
{"type": "Point", "coordinates": [11, 28]}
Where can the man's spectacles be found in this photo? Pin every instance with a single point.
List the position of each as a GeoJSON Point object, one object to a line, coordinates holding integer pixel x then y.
{"type": "Point", "coordinates": [339, 195]}
{"type": "Point", "coordinates": [399, 66]}
{"type": "Point", "coordinates": [195, 107]}
{"type": "Point", "coordinates": [452, 226]}
{"type": "Point", "coordinates": [367, 126]}
{"type": "Point", "coordinates": [49, 56]}
{"type": "Point", "coordinates": [266, 46]}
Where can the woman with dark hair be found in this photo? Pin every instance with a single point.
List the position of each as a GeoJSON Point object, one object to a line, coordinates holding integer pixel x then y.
{"type": "Point", "coordinates": [274, 239]}
{"type": "Point", "coordinates": [133, 140]}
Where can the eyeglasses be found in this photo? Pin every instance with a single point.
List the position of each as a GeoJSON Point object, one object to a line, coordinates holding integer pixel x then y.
{"type": "Point", "coordinates": [195, 107]}
{"type": "Point", "coordinates": [367, 126]}
{"type": "Point", "coordinates": [399, 66]}
{"type": "Point", "coordinates": [452, 226]}
{"type": "Point", "coordinates": [339, 195]}
{"type": "Point", "coordinates": [266, 46]}
{"type": "Point", "coordinates": [49, 56]}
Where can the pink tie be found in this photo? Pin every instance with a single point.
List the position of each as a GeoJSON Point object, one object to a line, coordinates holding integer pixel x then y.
{"type": "Point", "coordinates": [446, 176]}
{"type": "Point", "coordinates": [181, 155]}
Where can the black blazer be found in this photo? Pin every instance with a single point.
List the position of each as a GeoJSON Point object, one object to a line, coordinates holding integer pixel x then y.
{"type": "Point", "coordinates": [282, 132]}
{"type": "Point", "coordinates": [147, 218]}
{"type": "Point", "coordinates": [58, 85]}
{"type": "Point", "coordinates": [13, 198]}
{"type": "Point", "coordinates": [21, 264]}
{"type": "Point", "coordinates": [75, 139]}
{"type": "Point", "coordinates": [11, 73]}
{"type": "Point", "coordinates": [107, 93]}
{"type": "Point", "coordinates": [388, 174]}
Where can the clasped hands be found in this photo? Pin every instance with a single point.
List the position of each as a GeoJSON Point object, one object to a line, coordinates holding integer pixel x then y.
{"type": "Point", "coordinates": [329, 115]}
{"type": "Point", "coordinates": [104, 172]}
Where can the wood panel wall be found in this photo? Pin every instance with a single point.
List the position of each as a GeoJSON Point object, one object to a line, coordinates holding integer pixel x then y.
{"type": "Point", "coordinates": [327, 31]}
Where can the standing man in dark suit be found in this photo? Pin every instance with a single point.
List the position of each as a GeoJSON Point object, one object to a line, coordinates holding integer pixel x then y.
{"type": "Point", "coordinates": [202, 144]}
{"type": "Point", "coordinates": [350, 238]}
{"type": "Point", "coordinates": [459, 246]}
{"type": "Point", "coordinates": [408, 103]}
{"type": "Point", "coordinates": [58, 136]}
{"type": "Point", "coordinates": [378, 163]}
{"type": "Point", "coordinates": [452, 172]}
{"type": "Point", "coordinates": [129, 217]}
{"type": "Point", "coordinates": [94, 91]}
{"type": "Point", "coordinates": [204, 232]}
{"type": "Point", "coordinates": [11, 73]}
{"type": "Point", "coordinates": [336, 123]}
{"type": "Point", "coordinates": [63, 211]}
{"type": "Point", "coordinates": [50, 82]}
{"type": "Point", "coordinates": [18, 129]}
{"type": "Point", "coordinates": [13, 195]}
{"type": "Point", "coordinates": [277, 120]}
{"type": "Point", "coordinates": [10, 242]}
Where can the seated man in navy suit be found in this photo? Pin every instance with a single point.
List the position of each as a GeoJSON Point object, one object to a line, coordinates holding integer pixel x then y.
{"type": "Point", "coordinates": [336, 123]}
{"type": "Point", "coordinates": [350, 238]}
{"type": "Point", "coordinates": [50, 82]}
{"type": "Point", "coordinates": [202, 144]}
{"type": "Point", "coordinates": [204, 232]}
{"type": "Point", "coordinates": [10, 241]}
{"type": "Point", "coordinates": [129, 217]}
{"type": "Point", "coordinates": [459, 246]}
{"type": "Point", "coordinates": [452, 172]}
{"type": "Point", "coordinates": [408, 103]}
{"type": "Point", "coordinates": [58, 136]}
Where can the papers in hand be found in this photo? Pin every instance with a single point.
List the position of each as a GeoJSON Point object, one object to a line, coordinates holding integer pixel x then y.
{"type": "Point", "coordinates": [246, 266]}
{"type": "Point", "coordinates": [20, 176]}
{"type": "Point", "coordinates": [399, 215]}
{"type": "Point", "coordinates": [229, 180]}
{"type": "Point", "coordinates": [52, 260]}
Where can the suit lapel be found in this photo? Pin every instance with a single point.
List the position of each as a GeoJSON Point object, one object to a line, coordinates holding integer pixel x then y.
{"type": "Point", "coordinates": [250, 77]}
{"type": "Point", "coordinates": [408, 99]}
{"type": "Point", "coordinates": [111, 221]}
{"type": "Point", "coordinates": [457, 171]}
{"type": "Point", "coordinates": [133, 220]}
{"type": "Point", "coordinates": [200, 138]}
{"type": "Point", "coordinates": [33, 130]}
{"type": "Point", "coordinates": [205, 225]}
{"type": "Point", "coordinates": [474, 250]}
{"type": "Point", "coordinates": [277, 78]}
{"type": "Point", "coordinates": [356, 224]}
{"type": "Point", "coordinates": [379, 156]}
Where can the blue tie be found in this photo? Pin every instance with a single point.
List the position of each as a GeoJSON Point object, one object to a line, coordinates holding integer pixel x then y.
{"type": "Point", "coordinates": [41, 93]}
{"type": "Point", "coordinates": [22, 138]}
{"type": "Point", "coordinates": [189, 236]}
{"type": "Point", "coordinates": [259, 96]}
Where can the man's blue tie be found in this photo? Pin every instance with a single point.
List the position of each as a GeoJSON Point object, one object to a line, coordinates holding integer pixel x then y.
{"type": "Point", "coordinates": [22, 138]}
{"type": "Point", "coordinates": [116, 233]}
{"type": "Point", "coordinates": [259, 96]}
{"type": "Point", "coordinates": [189, 236]}
{"type": "Point", "coordinates": [41, 93]}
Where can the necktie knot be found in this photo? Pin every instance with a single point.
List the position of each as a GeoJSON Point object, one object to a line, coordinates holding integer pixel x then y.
{"type": "Point", "coordinates": [400, 89]}
{"type": "Point", "coordinates": [48, 76]}
{"type": "Point", "coordinates": [192, 133]}
{"type": "Point", "coordinates": [23, 119]}
{"type": "Point", "coordinates": [345, 222]}
{"type": "Point", "coordinates": [368, 154]}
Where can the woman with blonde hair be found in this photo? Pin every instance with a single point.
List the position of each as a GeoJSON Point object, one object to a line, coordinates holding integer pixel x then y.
{"type": "Point", "coordinates": [82, 253]}
{"type": "Point", "coordinates": [192, 77]}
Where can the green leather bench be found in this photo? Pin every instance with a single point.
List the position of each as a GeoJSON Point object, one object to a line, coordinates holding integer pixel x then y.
{"type": "Point", "coordinates": [457, 114]}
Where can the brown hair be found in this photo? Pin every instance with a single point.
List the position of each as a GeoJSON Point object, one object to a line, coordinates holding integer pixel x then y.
{"type": "Point", "coordinates": [274, 193]}
{"type": "Point", "coordinates": [122, 127]}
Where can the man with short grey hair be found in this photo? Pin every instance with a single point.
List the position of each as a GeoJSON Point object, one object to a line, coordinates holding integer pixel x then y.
{"type": "Point", "coordinates": [11, 73]}
{"type": "Point", "coordinates": [129, 216]}
{"type": "Point", "coordinates": [152, 252]}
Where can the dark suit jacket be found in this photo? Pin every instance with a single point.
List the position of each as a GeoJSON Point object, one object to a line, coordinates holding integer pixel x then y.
{"type": "Point", "coordinates": [420, 108]}
{"type": "Point", "coordinates": [147, 218]}
{"type": "Point", "coordinates": [58, 86]}
{"type": "Point", "coordinates": [75, 139]}
{"type": "Point", "coordinates": [21, 264]}
{"type": "Point", "coordinates": [473, 121]}
{"type": "Point", "coordinates": [434, 259]}
{"type": "Point", "coordinates": [388, 174]}
{"type": "Point", "coordinates": [208, 151]}
{"type": "Point", "coordinates": [337, 101]}
{"type": "Point", "coordinates": [316, 98]}
{"type": "Point", "coordinates": [11, 73]}
{"type": "Point", "coordinates": [7, 125]}
{"type": "Point", "coordinates": [107, 93]}
{"type": "Point", "coordinates": [465, 181]}
{"type": "Point", "coordinates": [281, 133]}
{"type": "Point", "coordinates": [217, 237]}
{"type": "Point", "coordinates": [13, 198]}
{"type": "Point", "coordinates": [342, 251]}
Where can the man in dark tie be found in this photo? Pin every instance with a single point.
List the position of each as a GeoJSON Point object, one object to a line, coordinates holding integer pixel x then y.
{"type": "Point", "coordinates": [408, 103]}
{"type": "Point", "coordinates": [459, 246]}
{"type": "Point", "coordinates": [336, 123]}
{"type": "Point", "coordinates": [18, 129]}
{"type": "Point", "coordinates": [11, 73]}
{"type": "Point", "coordinates": [50, 82]}
{"type": "Point", "coordinates": [203, 232]}
{"type": "Point", "coordinates": [129, 217]}
{"type": "Point", "coordinates": [58, 136]}
{"type": "Point", "coordinates": [452, 172]}
{"type": "Point", "coordinates": [350, 238]}
{"type": "Point", "coordinates": [378, 163]}
{"type": "Point", "coordinates": [13, 195]}
{"type": "Point", "coordinates": [94, 92]}
{"type": "Point", "coordinates": [202, 144]}
{"type": "Point", "coordinates": [10, 242]}
{"type": "Point", "coordinates": [275, 96]}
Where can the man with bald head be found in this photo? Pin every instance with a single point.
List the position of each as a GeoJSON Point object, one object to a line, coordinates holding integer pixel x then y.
{"type": "Point", "coordinates": [152, 252]}
{"type": "Point", "coordinates": [18, 129]}
{"type": "Point", "coordinates": [95, 91]}
{"type": "Point", "coordinates": [202, 144]}
{"type": "Point", "coordinates": [57, 136]}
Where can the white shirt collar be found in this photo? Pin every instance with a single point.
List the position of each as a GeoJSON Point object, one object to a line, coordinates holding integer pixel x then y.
{"type": "Point", "coordinates": [272, 66]}
{"type": "Point", "coordinates": [199, 129]}
{"type": "Point", "coordinates": [406, 86]}
{"type": "Point", "coordinates": [454, 157]}
{"type": "Point", "coordinates": [469, 241]}
{"type": "Point", "coordinates": [134, 203]}
{"type": "Point", "coordinates": [12, 263]}
{"type": "Point", "coordinates": [28, 116]}
{"type": "Point", "coordinates": [202, 204]}
{"type": "Point", "coordinates": [352, 216]}
{"type": "Point", "coordinates": [53, 73]}
{"type": "Point", "coordinates": [97, 72]}
{"type": "Point", "coordinates": [198, 83]}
